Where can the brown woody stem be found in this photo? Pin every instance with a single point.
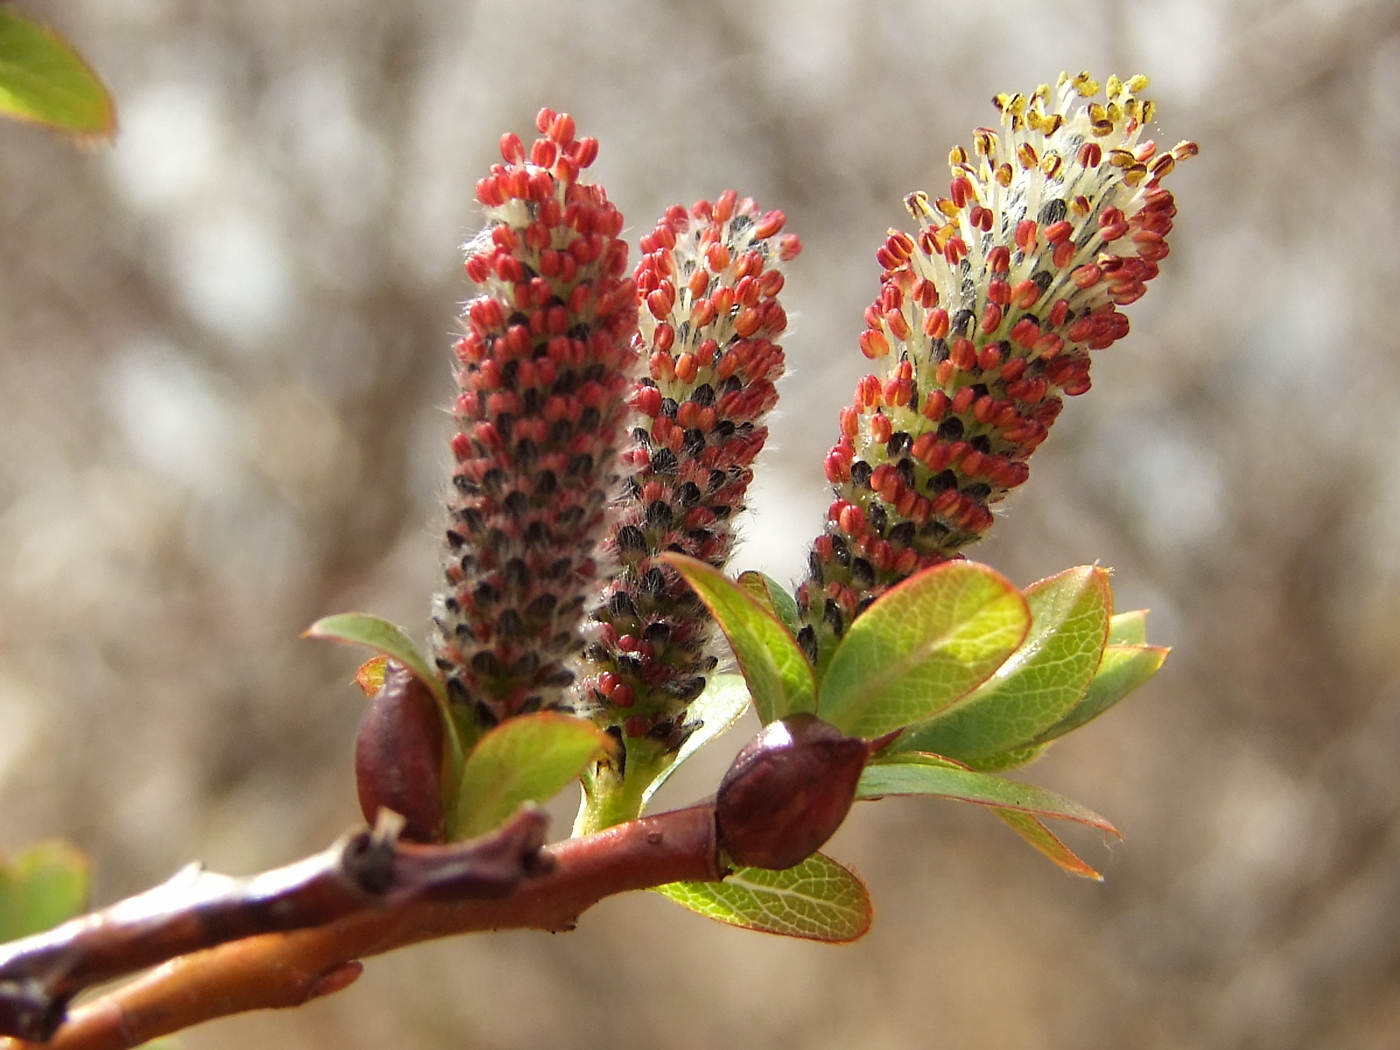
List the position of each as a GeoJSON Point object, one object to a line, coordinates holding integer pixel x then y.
{"type": "Point", "coordinates": [500, 881]}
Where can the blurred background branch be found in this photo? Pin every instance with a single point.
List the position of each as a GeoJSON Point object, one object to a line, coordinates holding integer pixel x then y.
{"type": "Point", "coordinates": [225, 346]}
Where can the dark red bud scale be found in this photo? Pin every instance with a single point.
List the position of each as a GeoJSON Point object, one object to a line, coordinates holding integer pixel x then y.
{"type": "Point", "coordinates": [398, 756]}
{"type": "Point", "coordinates": [787, 792]}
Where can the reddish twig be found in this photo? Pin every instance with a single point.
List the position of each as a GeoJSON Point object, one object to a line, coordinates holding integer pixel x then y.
{"type": "Point", "coordinates": [501, 881]}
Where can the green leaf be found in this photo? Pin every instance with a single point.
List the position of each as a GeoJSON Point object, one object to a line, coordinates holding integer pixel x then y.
{"type": "Point", "coordinates": [530, 758]}
{"type": "Point", "coordinates": [1037, 685]}
{"type": "Point", "coordinates": [382, 636]}
{"type": "Point", "coordinates": [44, 81]}
{"type": "Point", "coordinates": [920, 774]}
{"type": "Point", "coordinates": [1123, 669]}
{"type": "Point", "coordinates": [42, 887]}
{"type": "Point", "coordinates": [777, 671]}
{"type": "Point", "coordinates": [770, 594]}
{"type": "Point", "coordinates": [1043, 839]}
{"type": "Point", "coordinates": [818, 900]}
{"type": "Point", "coordinates": [724, 701]}
{"type": "Point", "coordinates": [1129, 628]}
{"type": "Point", "coordinates": [923, 645]}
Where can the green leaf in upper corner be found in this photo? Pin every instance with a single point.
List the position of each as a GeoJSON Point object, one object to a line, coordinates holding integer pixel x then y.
{"type": "Point", "coordinates": [1123, 669]}
{"type": "Point", "coordinates": [1047, 842]}
{"type": "Point", "coordinates": [1037, 685]}
{"type": "Point", "coordinates": [724, 701]}
{"type": "Point", "coordinates": [382, 636]}
{"type": "Point", "coordinates": [770, 594]}
{"type": "Point", "coordinates": [920, 774]}
{"type": "Point", "coordinates": [43, 80]}
{"type": "Point", "coordinates": [921, 646]}
{"type": "Point", "coordinates": [45, 885]}
{"type": "Point", "coordinates": [777, 671]}
{"type": "Point", "coordinates": [818, 900]}
{"type": "Point", "coordinates": [1129, 628]}
{"type": "Point", "coordinates": [530, 758]}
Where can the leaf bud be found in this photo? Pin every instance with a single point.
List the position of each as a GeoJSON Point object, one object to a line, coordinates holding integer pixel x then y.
{"type": "Point", "coordinates": [398, 756]}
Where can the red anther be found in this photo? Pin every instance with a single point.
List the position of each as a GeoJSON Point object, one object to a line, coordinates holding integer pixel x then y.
{"type": "Point", "coordinates": [1025, 332]}
{"type": "Point", "coordinates": [662, 366]}
{"type": "Point", "coordinates": [717, 257]}
{"type": "Point", "coordinates": [686, 368]}
{"type": "Point", "coordinates": [961, 192]}
{"type": "Point", "coordinates": [488, 192]}
{"type": "Point", "coordinates": [660, 301]}
{"type": "Point", "coordinates": [936, 405]}
{"type": "Point", "coordinates": [664, 337]}
{"type": "Point", "coordinates": [789, 247]}
{"type": "Point", "coordinates": [771, 283]}
{"type": "Point", "coordinates": [881, 478]}
{"type": "Point", "coordinates": [770, 224]}
{"type": "Point", "coordinates": [850, 517]}
{"type": "Point", "coordinates": [723, 300]}
{"type": "Point", "coordinates": [838, 467]}
{"type": "Point", "coordinates": [1113, 231]}
{"type": "Point", "coordinates": [478, 268]}
{"type": "Point", "coordinates": [724, 206]}
{"type": "Point", "coordinates": [1090, 155]}
{"type": "Point", "coordinates": [1086, 276]}
{"type": "Point", "coordinates": [991, 320]}
{"type": "Point", "coordinates": [944, 373]}
{"type": "Point", "coordinates": [962, 354]}
{"type": "Point", "coordinates": [706, 351]}
{"type": "Point", "coordinates": [1083, 329]}
{"type": "Point", "coordinates": [962, 401]}
{"type": "Point", "coordinates": [702, 314]}
{"type": "Point", "coordinates": [461, 447]}
{"type": "Point", "coordinates": [904, 501]}
{"type": "Point", "coordinates": [898, 326]}
{"type": "Point", "coordinates": [1026, 231]}
{"type": "Point", "coordinates": [989, 357]}
{"type": "Point", "coordinates": [746, 291]}
{"type": "Point", "coordinates": [543, 153]}
{"type": "Point", "coordinates": [512, 149]}
{"type": "Point", "coordinates": [697, 285]}
{"type": "Point", "coordinates": [999, 259]}
{"type": "Point", "coordinates": [850, 422]}
{"type": "Point", "coordinates": [945, 502]}
{"type": "Point", "coordinates": [998, 291]}
{"type": "Point", "coordinates": [1059, 313]}
{"type": "Point", "coordinates": [873, 344]}
{"type": "Point", "coordinates": [881, 429]}
{"type": "Point", "coordinates": [972, 463]}
{"type": "Point", "coordinates": [1063, 254]}
{"type": "Point", "coordinates": [984, 408]}
{"type": "Point", "coordinates": [746, 324]}
{"type": "Point", "coordinates": [936, 324]}
{"type": "Point", "coordinates": [561, 128]}
{"type": "Point", "coordinates": [517, 184]}
{"type": "Point", "coordinates": [955, 251]}
{"type": "Point", "coordinates": [1059, 232]}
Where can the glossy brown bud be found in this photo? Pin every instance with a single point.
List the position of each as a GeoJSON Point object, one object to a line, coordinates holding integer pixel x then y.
{"type": "Point", "coordinates": [398, 756]}
{"type": "Point", "coordinates": [787, 792]}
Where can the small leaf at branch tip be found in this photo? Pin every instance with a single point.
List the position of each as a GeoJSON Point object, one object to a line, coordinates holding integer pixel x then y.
{"type": "Point", "coordinates": [370, 674]}
{"type": "Point", "coordinates": [45, 81]}
{"type": "Point", "coordinates": [355, 628]}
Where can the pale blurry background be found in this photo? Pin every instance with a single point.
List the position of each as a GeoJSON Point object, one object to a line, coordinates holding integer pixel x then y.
{"type": "Point", "coordinates": [224, 358]}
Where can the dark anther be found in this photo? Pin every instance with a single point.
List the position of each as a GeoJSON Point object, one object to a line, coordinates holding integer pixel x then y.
{"type": "Point", "coordinates": [898, 443]}
{"type": "Point", "coordinates": [942, 482]}
{"type": "Point", "coordinates": [545, 483]}
{"type": "Point", "coordinates": [663, 461]}
{"type": "Point", "coordinates": [724, 429]}
{"type": "Point", "coordinates": [630, 665]}
{"type": "Point", "coordinates": [622, 606]}
{"type": "Point", "coordinates": [862, 573]}
{"type": "Point", "coordinates": [951, 429]}
{"type": "Point", "coordinates": [905, 469]}
{"type": "Point", "coordinates": [938, 351]}
{"type": "Point", "coordinates": [669, 408]}
{"type": "Point", "coordinates": [541, 607]}
{"type": "Point", "coordinates": [688, 495]}
{"type": "Point", "coordinates": [485, 664]}
{"type": "Point", "coordinates": [659, 514]}
{"type": "Point", "coordinates": [960, 322]}
{"type": "Point", "coordinates": [527, 665]}
{"type": "Point", "coordinates": [878, 518]}
{"type": "Point", "coordinates": [981, 443]}
{"type": "Point", "coordinates": [1042, 279]}
{"type": "Point", "coordinates": [653, 582]}
{"type": "Point", "coordinates": [657, 632]}
{"type": "Point", "coordinates": [978, 490]}
{"type": "Point", "coordinates": [902, 534]}
{"type": "Point", "coordinates": [509, 624]}
{"type": "Point", "coordinates": [703, 395]}
{"type": "Point", "coordinates": [840, 549]}
{"type": "Point", "coordinates": [455, 539]}
{"type": "Point", "coordinates": [516, 574]}
{"type": "Point", "coordinates": [642, 436]}
{"type": "Point", "coordinates": [807, 641]}
{"type": "Point", "coordinates": [693, 441]}
{"type": "Point", "coordinates": [631, 540]}
{"type": "Point", "coordinates": [580, 465]}
{"type": "Point", "coordinates": [860, 473]}
{"type": "Point", "coordinates": [485, 594]}
{"type": "Point", "coordinates": [589, 419]}
{"type": "Point", "coordinates": [831, 613]}
{"type": "Point", "coordinates": [1053, 211]}
{"type": "Point", "coordinates": [469, 517]}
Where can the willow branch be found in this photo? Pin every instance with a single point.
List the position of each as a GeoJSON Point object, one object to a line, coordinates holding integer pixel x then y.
{"type": "Point", "coordinates": [424, 897]}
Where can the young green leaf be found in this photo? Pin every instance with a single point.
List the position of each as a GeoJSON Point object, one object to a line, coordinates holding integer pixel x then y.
{"type": "Point", "coordinates": [44, 81]}
{"type": "Point", "coordinates": [1037, 685]}
{"type": "Point", "coordinates": [817, 900]}
{"type": "Point", "coordinates": [724, 701]}
{"type": "Point", "coordinates": [777, 671]}
{"type": "Point", "coordinates": [920, 774]}
{"type": "Point", "coordinates": [526, 759]}
{"type": "Point", "coordinates": [923, 645]}
{"type": "Point", "coordinates": [45, 885]}
{"type": "Point", "coordinates": [770, 594]}
{"type": "Point", "coordinates": [1123, 669]}
{"type": "Point", "coordinates": [1129, 628]}
{"type": "Point", "coordinates": [384, 637]}
{"type": "Point", "coordinates": [1047, 842]}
